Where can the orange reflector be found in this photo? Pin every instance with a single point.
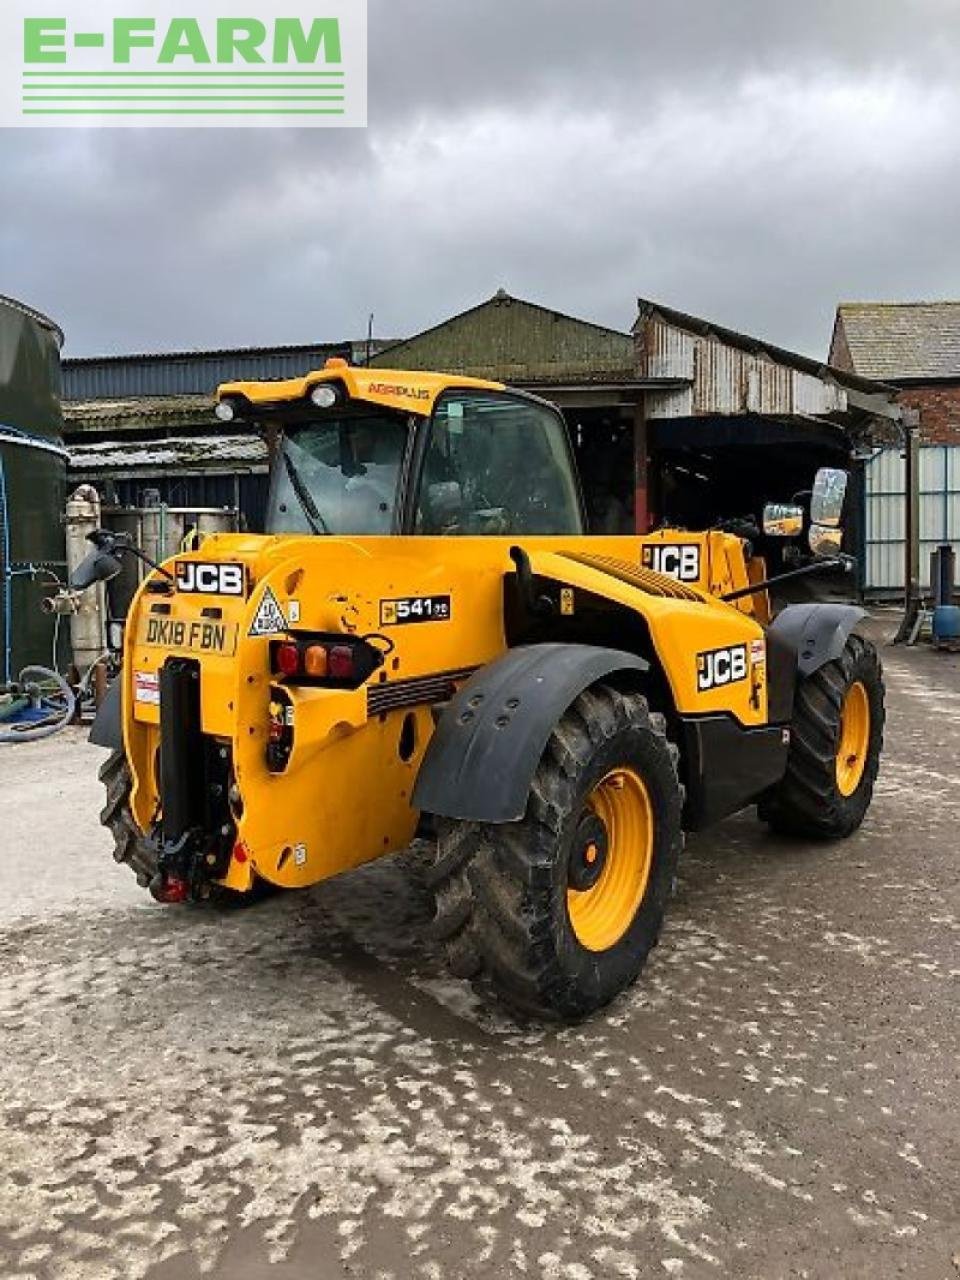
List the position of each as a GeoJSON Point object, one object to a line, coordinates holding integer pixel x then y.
{"type": "Point", "coordinates": [315, 661]}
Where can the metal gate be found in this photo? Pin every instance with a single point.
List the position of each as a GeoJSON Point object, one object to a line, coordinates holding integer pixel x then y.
{"type": "Point", "coordinates": [885, 516]}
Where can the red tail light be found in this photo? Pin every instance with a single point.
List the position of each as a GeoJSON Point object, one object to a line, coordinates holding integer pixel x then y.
{"type": "Point", "coordinates": [324, 660]}
{"type": "Point", "coordinates": [287, 657]}
{"type": "Point", "coordinates": [341, 664]}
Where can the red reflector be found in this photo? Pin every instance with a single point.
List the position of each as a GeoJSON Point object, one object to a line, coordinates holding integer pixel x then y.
{"type": "Point", "coordinates": [288, 659]}
{"type": "Point", "coordinates": [239, 853]}
{"type": "Point", "coordinates": [173, 889]}
{"type": "Point", "coordinates": [340, 663]}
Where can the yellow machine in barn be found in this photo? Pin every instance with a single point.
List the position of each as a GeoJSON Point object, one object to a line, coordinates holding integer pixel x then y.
{"type": "Point", "coordinates": [428, 640]}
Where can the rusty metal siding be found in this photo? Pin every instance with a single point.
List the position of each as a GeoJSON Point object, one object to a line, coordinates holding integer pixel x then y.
{"type": "Point", "coordinates": [725, 380]}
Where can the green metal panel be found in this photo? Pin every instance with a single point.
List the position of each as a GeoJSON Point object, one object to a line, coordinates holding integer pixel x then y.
{"type": "Point", "coordinates": [32, 485]}
{"type": "Point", "coordinates": [508, 340]}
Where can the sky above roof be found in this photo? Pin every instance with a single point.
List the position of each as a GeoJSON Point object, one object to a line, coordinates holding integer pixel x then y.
{"type": "Point", "coordinates": [751, 161]}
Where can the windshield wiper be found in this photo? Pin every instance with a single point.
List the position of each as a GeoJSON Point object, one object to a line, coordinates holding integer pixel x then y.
{"type": "Point", "coordinates": [304, 496]}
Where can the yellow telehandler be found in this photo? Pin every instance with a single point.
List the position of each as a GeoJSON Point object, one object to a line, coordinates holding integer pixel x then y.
{"type": "Point", "coordinates": [427, 640]}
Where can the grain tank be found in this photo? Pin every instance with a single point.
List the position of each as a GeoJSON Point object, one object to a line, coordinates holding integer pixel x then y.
{"type": "Point", "coordinates": [32, 484]}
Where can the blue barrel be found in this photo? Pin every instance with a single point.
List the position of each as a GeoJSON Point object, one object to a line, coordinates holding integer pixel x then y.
{"type": "Point", "coordinates": [946, 623]}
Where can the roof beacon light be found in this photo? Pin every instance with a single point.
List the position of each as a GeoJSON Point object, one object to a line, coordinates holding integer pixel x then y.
{"type": "Point", "coordinates": [225, 411]}
{"type": "Point", "coordinates": [324, 397]}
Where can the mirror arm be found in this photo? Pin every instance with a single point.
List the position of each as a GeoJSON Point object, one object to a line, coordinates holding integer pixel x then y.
{"type": "Point", "coordinates": [157, 568]}
{"type": "Point", "coordinates": [846, 563]}
{"type": "Point", "coordinates": [117, 543]}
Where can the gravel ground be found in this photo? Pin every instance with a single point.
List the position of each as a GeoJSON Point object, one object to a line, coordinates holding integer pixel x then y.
{"type": "Point", "coordinates": [300, 1091]}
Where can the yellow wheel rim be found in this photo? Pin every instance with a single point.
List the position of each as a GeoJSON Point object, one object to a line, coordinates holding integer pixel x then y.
{"type": "Point", "coordinates": [602, 914]}
{"type": "Point", "coordinates": [854, 741]}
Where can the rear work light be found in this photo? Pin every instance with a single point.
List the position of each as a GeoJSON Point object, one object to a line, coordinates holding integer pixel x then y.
{"type": "Point", "coordinates": [326, 661]}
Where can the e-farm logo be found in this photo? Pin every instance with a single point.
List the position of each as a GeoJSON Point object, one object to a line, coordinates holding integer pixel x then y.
{"type": "Point", "coordinates": [203, 62]}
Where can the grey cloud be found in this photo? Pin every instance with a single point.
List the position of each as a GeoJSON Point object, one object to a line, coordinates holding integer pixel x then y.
{"type": "Point", "coordinates": [753, 162]}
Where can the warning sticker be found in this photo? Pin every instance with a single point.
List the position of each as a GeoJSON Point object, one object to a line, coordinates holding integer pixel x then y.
{"type": "Point", "coordinates": [758, 652]}
{"type": "Point", "coordinates": [269, 619]}
{"type": "Point", "coordinates": [146, 687]}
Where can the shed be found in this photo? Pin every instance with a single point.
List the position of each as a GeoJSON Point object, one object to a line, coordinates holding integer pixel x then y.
{"type": "Point", "coordinates": [737, 420]}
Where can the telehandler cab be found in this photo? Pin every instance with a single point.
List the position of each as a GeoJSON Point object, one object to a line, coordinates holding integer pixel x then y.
{"type": "Point", "coordinates": [428, 640]}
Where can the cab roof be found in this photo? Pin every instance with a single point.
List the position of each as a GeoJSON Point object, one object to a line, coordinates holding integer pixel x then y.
{"type": "Point", "coordinates": [411, 391]}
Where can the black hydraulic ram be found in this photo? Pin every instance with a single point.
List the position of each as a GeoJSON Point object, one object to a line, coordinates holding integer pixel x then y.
{"type": "Point", "coordinates": [181, 751]}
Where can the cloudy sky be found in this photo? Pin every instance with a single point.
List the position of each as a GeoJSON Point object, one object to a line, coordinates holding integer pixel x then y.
{"type": "Point", "coordinates": [752, 161]}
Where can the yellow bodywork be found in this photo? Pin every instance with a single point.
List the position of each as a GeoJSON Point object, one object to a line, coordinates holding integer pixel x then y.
{"type": "Point", "coordinates": [410, 392]}
{"type": "Point", "coordinates": [344, 797]}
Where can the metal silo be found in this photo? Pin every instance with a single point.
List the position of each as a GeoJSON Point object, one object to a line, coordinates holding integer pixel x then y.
{"type": "Point", "coordinates": [32, 484]}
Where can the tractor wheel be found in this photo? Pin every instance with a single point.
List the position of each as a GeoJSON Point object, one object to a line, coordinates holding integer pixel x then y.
{"type": "Point", "coordinates": [835, 744]}
{"type": "Point", "coordinates": [558, 912]}
{"type": "Point", "coordinates": [130, 847]}
{"type": "Point", "coordinates": [128, 844]}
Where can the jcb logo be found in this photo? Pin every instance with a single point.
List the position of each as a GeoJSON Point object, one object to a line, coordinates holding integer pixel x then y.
{"type": "Point", "coordinates": [719, 667]}
{"type": "Point", "coordinates": [195, 577]}
{"type": "Point", "coordinates": [680, 561]}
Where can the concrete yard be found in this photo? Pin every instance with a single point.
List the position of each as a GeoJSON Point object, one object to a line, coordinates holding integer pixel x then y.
{"type": "Point", "coordinates": [300, 1091]}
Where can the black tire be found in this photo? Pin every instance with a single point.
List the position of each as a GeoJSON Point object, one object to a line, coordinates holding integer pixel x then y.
{"type": "Point", "coordinates": [128, 845]}
{"type": "Point", "coordinates": [501, 890]}
{"type": "Point", "coordinates": [139, 855]}
{"type": "Point", "coordinates": [808, 801]}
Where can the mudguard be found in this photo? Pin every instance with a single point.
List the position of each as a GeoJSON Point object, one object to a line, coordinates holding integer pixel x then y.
{"type": "Point", "coordinates": [816, 632]}
{"type": "Point", "coordinates": [107, 728]}
{"type": "Point", "coordinates": [481, 760]}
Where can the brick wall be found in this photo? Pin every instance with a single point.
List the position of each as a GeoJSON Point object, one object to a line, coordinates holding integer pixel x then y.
{"type": "Point", "coordinates": [939, 406]}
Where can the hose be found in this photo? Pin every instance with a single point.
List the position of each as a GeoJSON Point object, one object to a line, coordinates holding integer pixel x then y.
{"type": "Point", "coordinates": [60, 707]}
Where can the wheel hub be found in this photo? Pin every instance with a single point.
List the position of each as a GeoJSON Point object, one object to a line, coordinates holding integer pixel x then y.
{"type": "Point", "coordinates": [588, 856]}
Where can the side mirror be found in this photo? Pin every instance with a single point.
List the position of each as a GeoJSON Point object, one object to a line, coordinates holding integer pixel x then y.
{"type": "Point", "coordinates": [445, 502]}
{"type": "Point", "coordinates": [825, 542]}
{"type": "Point", "coordinates": [782, 520]}
{"type": "Point", "coordinates": [829, 491]}
{"type": "Point", "coordinates": [98, 566]}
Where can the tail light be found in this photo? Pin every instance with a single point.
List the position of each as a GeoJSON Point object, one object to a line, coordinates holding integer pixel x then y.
{"type": "Point", "coordinates": [336, 662]}
{"type": "Point", "coordinates": [288, 659]}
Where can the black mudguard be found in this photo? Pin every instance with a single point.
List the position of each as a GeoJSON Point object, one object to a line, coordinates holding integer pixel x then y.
{"type": "Point", "coordinates": [481, 760]}
{"type": "Point", "coordinates": [816, 632]}
{"type": "Point", "coordinates": [107, 728]}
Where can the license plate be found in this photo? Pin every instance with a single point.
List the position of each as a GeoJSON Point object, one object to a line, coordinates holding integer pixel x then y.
{"type": "Point", "coordinates": [190, 635]}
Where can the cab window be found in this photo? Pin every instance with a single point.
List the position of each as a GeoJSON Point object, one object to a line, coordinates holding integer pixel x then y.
{"type": "Point", "coordinates": [339, 475]}
{"type": "Point", "coordinates": [497, 464]}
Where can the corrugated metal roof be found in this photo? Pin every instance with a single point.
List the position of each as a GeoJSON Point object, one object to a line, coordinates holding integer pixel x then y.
{"type": "Point", "coordinates": [180, 453]}
{"type": "Point", "coordinates": [901, 340]}
{"type": "Point", "coordinates": [190, 372]}
{"type": "Point", "coordinates": [717, 372]}
{"type": "Point", "coordinates": [141, 413]}
{"type": "Point", "coordinates": [698, 327]}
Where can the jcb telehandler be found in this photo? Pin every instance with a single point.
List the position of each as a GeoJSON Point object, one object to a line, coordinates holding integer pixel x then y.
{"type": "Point", "coordinates": [427, 639]}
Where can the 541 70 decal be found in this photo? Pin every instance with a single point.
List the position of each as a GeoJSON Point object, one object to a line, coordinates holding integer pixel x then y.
{"type": "Point", "coordinates": [398, 613]}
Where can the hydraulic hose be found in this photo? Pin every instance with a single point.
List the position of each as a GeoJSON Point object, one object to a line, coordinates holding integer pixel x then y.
{"type": "Point", "coordinates": [60, 707]}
